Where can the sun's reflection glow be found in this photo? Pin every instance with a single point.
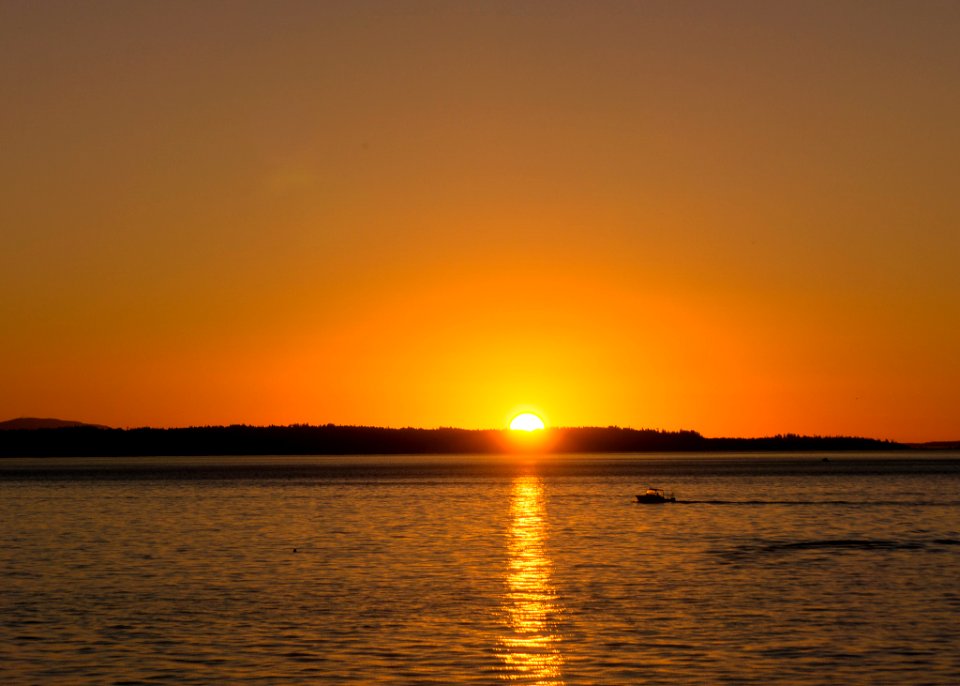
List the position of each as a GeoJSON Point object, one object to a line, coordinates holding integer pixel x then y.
{"type": "Point", "coordinates": [530, 649]}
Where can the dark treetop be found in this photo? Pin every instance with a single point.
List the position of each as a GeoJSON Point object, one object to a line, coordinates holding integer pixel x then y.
{"type": "Point", "coordinates": [361, 440]}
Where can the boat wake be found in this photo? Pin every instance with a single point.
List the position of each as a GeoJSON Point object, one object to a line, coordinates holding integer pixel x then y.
{"type": "Point", "coordinates": [858, 503]}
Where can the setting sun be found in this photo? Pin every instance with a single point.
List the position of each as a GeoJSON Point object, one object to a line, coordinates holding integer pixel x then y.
{"type": "Point", "coordinates": [526, 422]}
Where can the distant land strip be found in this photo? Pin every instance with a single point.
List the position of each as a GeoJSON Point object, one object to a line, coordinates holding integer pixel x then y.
{"type": "Point", "coordinates": [299, 439]}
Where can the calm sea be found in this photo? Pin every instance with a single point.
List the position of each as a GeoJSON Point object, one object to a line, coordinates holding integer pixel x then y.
{"type": "Point", "coordinates": [445, 570]}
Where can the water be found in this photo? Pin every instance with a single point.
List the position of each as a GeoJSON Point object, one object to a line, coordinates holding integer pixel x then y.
{"type": "Point", "coordinates": [770, 569]}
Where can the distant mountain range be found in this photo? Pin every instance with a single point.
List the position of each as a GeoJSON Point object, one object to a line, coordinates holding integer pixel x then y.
{"type": "Point", "coordinates": [43, 423]}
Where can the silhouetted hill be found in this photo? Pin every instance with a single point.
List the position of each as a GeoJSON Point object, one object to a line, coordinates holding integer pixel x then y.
{"type": "Point", "coordinates": [330, 439]}
{"type": "Point", "coordinates": [935, 445]}
{"type": "Point", "coordinates": [33, 423]}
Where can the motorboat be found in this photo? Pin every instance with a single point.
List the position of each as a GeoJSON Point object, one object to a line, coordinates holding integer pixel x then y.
{"type": "Point", "coordinates": [654, 496]}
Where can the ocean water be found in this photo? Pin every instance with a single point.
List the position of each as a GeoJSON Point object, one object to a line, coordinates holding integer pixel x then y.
{"type": "Point", "coordinates": [786, 569]}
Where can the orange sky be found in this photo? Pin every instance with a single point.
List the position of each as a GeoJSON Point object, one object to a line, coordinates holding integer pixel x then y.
{"type": "Point", "coordinates": [740, 218]}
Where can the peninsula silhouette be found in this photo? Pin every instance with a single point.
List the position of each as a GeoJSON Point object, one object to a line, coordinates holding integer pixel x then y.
{"type": "Point", "coordinates": [302, 439]}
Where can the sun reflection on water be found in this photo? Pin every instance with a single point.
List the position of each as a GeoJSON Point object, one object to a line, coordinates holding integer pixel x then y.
{"type": "Point", "coordinates": [530, 650]}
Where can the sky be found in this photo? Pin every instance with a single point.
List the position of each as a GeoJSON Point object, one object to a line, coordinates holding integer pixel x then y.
{"type": "Point", "coordinates": [740, 218]}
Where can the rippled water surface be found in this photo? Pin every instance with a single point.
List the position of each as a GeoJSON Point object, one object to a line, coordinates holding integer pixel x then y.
{"type": "Point", "coordinates": [768, 569]}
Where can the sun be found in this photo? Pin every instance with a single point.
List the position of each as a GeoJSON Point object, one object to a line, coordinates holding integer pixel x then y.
{"type": "Point", "coordinates": [527, 421]}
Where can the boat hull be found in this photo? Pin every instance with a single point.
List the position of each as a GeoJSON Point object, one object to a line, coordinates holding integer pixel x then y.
{"type": "Point", "coordinates": [654, 499]}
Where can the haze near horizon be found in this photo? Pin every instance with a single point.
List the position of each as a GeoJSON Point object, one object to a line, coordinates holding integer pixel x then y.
{"type": "Point", "coordinates": [738, 218]}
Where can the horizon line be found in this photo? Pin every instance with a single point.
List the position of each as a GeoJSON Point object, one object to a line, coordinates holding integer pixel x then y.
{"type": "Point", "coordinates": [610, 427]}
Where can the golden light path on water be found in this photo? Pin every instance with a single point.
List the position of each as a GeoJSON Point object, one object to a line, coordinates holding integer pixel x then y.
{"type": "Point", "coordinates": [530, 649]}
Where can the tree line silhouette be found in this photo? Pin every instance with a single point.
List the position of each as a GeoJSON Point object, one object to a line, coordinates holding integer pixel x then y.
{"type": "Point", "coordinates": [330, 439]}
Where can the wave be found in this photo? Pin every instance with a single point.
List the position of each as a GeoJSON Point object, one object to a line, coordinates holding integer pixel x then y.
{"type": "Point", "coordinates": [867, 544]}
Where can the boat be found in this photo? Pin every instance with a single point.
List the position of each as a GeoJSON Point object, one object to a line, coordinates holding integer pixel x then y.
{"type": "Point", "coordinates": [655, 495]}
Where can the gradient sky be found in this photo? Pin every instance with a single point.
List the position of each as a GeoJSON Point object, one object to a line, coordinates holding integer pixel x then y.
{"type": "Point", "coordinates": [736, 217]}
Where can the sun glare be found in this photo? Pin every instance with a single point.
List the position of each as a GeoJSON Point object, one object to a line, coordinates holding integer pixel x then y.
{"type": "Point", "coordinates": [526, 422]}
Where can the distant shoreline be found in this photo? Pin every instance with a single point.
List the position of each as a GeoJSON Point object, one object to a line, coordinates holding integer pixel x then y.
{"type": "Point", "coordinates": [90, 441]}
